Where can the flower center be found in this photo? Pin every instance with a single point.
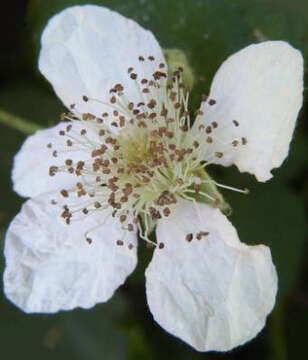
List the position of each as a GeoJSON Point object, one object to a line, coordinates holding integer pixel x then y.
{"type": "Point", "coordinates": [142, 156]}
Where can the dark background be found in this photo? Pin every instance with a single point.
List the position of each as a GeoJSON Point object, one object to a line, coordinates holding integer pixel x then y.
{"type": "Point", "coordinates": [272, 214]}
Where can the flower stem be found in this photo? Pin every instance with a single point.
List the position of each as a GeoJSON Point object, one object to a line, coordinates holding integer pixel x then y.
{"type": "Point", "coordinates": [18, 123]}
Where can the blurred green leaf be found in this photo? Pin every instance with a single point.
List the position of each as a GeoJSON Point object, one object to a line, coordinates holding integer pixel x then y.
{"type": "Point", "coordinates": [277, 20]}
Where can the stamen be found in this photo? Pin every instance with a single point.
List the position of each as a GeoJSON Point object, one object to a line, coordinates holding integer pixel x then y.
{"type": "Point", "coordinates": [147, 161]}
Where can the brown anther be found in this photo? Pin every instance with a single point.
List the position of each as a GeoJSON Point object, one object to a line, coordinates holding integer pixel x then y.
{"type": "Point", "coordinates": [172, 146]}
{"type": "Point", "coordinates": [49, 145]}
{"type": "Point", "coordinates": [85, 98]}
{"type": "Point", "coordinates": [180, 181]}
{"type": "Point", "coordinates": [141, 58]}
{"type": "Point", "coordinates": [133, 76]}
{"type": "Point", "coordinates": [119, 87]}
{"type": "Point", "coordinates": [130, 69]}
{"type": "Point", "coordinates": [212, 102]}
{"type": "Point", "coordinates": [244, 141]}
{"type": "Point", "coordinates": [184, 128]}
{"type": "Point", "coordinates": [83, 131]}
{"type": "Point", "coordinates": [209, 139]}
{"type": "Point", "coordinates": [64, 193]}
{"type": "Point", "coordinates": [161, 65]}
{"type": "Point", "coordinates": [130, 246]}
{"type": "Point", "coordinates": [189, 237]}
{"type": "Point", "coordinates": [122, 121]}
{"type": "Point", "coordinates": [113, 99]}
{"type": "Point", "coordinates": [89, 240]}
{"type": "Point", "coordinates": [120, 243]}
{"type": "Point", "coordinates": [130, 227]}
{"type": "Point", "coordinates": [208, 129]}
{"type": "Point", "coordinates": [214, 124]}
{"type": "Point", "coordinates": [161, 245]}
{"type": "Point", "coordinates": [201, 234]}
{"type": "Point", "coordinates": [123, 218]}
{"type": "Point", "coordinates": [80, 165]}
{"type": "Point", "coordinates": [97, 205]}
{"type": "Point", "coordinates": [85, 211]}
{"type": "Point", "coordinates": [164, 112]}
{"type": "Point", "coordinates": [68, 162]}
{"type": "Point", "coordinates": [151, 104]}
{"type": "Point", "coordinates": [197, 188]}
{"type": "Point", "coordinates": [61, 132]}
{"type": "Point", "coordinates": [53, 170]}
{"type": "Point", "coordinates": [69, 142]}
{"type": "Point", "coordinates": [219, 154]}
{"type": "Point", "coordinates": [235, 143]}
{"type": "Point", "coordinates": [196, 144]}
{"type": "Point", "coordinates": [151, 58]}
{"type": "Point", "coordinates": [235, 122]}
{"type": "Point", "coordinates": [101, 132]}
{"type": "Point", "coordinates": [166, 211]}
{"type": "Point", "coordinates": [68, 128]}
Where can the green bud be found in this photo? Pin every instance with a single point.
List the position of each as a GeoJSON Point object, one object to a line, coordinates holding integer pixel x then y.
{"type": "Point", "coordinates": [176, 58]}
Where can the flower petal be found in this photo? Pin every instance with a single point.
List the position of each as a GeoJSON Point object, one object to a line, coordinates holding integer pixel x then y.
{"type": "Point", "coordinates": [50, 266]}
{"type": "Point", "coordinates": [260, 87]}
{"type": "Point", "coordinates": [87, 50]}
{"type": "Point", "coordinates": [31, 164]}
{"type": "Point", "coordinates": [213, 293]}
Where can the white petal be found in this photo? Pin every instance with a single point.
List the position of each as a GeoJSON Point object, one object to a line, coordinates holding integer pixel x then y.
{"type": "Point", "coordinates": [86, 50]}
{"type": "Point", "coordinates": [261, 87]}
{"type": "Point", "coordinates": [213, 293]}
{"type": "Point", "coordinates": [51, 267]}
{"type": "Point", "coordinates": [31, 164]}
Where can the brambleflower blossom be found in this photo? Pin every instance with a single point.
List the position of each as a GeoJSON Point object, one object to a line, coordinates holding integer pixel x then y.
{"type": "Point", "coordinates": [127, 149]}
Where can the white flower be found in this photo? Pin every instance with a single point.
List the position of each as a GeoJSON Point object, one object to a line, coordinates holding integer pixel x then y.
{"type": "Point", "coordinates": [127, 152]}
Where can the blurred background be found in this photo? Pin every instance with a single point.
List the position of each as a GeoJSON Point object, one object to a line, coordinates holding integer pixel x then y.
{"type": "Point", "coordinates": [274, 213]}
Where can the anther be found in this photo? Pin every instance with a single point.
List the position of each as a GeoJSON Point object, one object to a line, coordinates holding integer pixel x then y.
{"type": "Point", "coordinates": [64, 193]}
{"type": "Point", "coordinates": [244, 141]}
{"type": "Point", "coordinates": [189, 237]}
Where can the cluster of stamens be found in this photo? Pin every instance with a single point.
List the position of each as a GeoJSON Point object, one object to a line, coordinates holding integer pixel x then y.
{"type": "Point", "coordinates": [143, 157]}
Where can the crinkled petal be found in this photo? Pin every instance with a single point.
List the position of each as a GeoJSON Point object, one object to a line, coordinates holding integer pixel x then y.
{"type": "Point", "coordinates": [31, 164]}
{"type": "Point", "coordinates": [214, 293]}
{"type": "Point", "coordinates": [261, 88]}
{"type": "Point", "coordinates": [87, 50]}
{"type": "Point", "coordinates": [50, 266]}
